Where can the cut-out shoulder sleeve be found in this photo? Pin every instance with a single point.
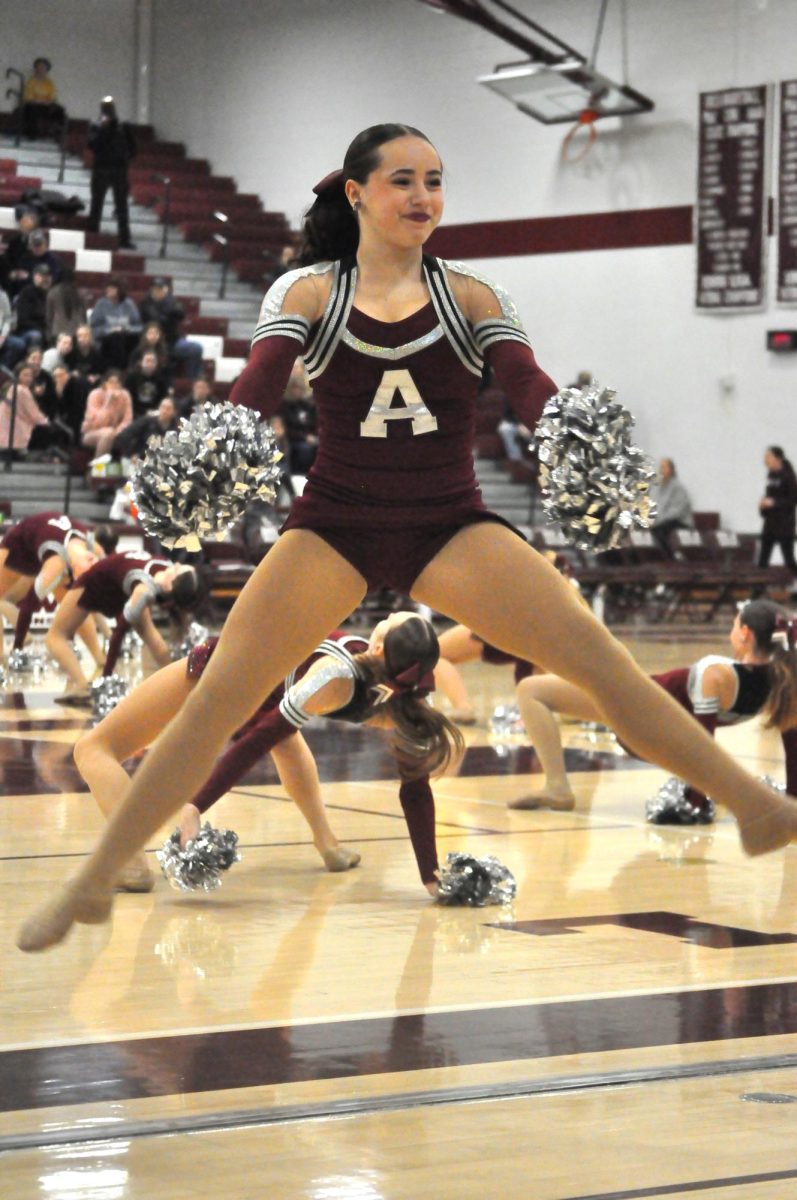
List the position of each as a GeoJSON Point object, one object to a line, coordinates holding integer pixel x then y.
{"type": "Point", "coordinates": [291, 305]}
{"type": "Point", "coordinates": [325, 688]}
{"type": "Point", "coordinates": [502, 341]}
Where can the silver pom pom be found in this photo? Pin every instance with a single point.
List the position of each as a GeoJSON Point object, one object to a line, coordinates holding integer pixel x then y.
{"type": "Point", "coordinates": [131, 646]}
{"type": "Point", "coordinates": [475, 881]}
{"type": "Point", "coordinates": [106, 692]}
{"type": "Point", "coordinates": [671, 806]}
{"type": "Point", "coordinates": [197, 867]}
{"type": "Point", "coordinates": [198, 480]}
{"type": "Point", "coordinates": [595, 483]}
{"type": "Point", "coordinates": [506, 720]}
{"type": "Point", "coordinates": [194, 636]}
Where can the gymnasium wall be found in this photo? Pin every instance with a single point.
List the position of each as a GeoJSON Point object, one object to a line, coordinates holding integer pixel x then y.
{"type": "Point", "coordinates": [273, 91]}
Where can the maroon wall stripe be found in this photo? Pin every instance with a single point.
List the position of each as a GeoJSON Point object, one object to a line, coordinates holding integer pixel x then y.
{"type": "Point", "coordinates": [562, 235]}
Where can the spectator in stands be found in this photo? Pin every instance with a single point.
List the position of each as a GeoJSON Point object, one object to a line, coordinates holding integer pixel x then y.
{"type": "Point", "coordinates": [42, 115]}
{"type": "Point", "coordinates": [777, 507]}
{"type": "Point", "coordinates": [285, 262]}
{"type": "Point", "coordinates": [132, 442]}
{"type": "Point", "coordinates": [113, 145]}
{"type": "Point", "coordinates": [513, 433]}
{"type": "Point", "coordinates": [66, 309]}
{"type": "Point", "coordinates": [200, 394]}
{"type": "Point", "coordinates": [11, 348]}
{"type": "Point", "coordinates": [582, 381]}
{"type": "Point", "coordinates": [31, 307]}
{"type": "Point", "coordinates": [298, 411]}
{"type": "Point", "coordinates": [673, 506]}
{"type": "Point", "coordinates": [86, 357]}
{"type": "Point", "coordinates": [151, 341]}
{"type": "Point", "coordinates": [40, 254]}
{"type": "Point", "coordinates": [71, 393]}
{"type": "Point", "coordinates": [160, 306]}
{"type": "Point", "coordinates": [109, 410]}
{"type": "Point", "coordinates": [42, 385]}
{"type": "Point", "coordinates": [27, 417]}
{"type": "Point", "coordinates": [14, 273]}
{"type": "Point", "coordinates": [60, 354]}
{"type": "Point", "coordinates": [146, 384]}
{"type": "Point", "coordinates": [115, 324]}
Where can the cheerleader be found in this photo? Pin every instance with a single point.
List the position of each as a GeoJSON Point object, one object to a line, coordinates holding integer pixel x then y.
{"type": "Point", "coordinates": [125, 587]}
{"type": "Point", "coordinates": [395, 343]}
{"type": "Point", "coordinates": [383, 681]}
{"type": "Point", "coordinates": [717, 691]}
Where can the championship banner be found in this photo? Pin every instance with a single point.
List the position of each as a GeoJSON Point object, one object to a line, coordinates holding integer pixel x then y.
{"type": "Point", "coordinates": [786, 292]}
{"type": "Point", "coordinates": [731, 209]}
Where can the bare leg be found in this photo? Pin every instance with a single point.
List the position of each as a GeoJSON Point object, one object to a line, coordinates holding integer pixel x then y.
{"type": "Point", "coordinates": [299, 774]}
{"type": "Point", "coordinates": [87, 633]}
{"type": "Point", "coordinates": [133, 724]}
{"type": "Point", "coordinates": [69, 617]}
{"type": "Point", "coordinates": [301, 590]}
{"type": "Point", "coordinates": [457, 645]}
{"type": "Point", "coordinates": [539, 618]}
{"type": "Point", "coordinates": [539, 697]}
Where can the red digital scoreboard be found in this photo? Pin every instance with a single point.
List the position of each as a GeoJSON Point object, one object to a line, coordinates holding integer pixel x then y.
{"type": "Point", "coordinates": [782, 340]}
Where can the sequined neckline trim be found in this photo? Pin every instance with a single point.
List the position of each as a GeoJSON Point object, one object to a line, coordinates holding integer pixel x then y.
{"type": "Point", "coordinates": [392, 352]}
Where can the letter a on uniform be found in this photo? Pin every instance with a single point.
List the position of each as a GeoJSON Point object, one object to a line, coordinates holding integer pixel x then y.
{"type": "Point", "coordinates": [412, 409]}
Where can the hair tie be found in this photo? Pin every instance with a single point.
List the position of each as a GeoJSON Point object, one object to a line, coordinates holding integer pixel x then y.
{"type": "Point", "coordinates": [333, 180]}
{"type": "Point", "coordinates": [412, 681]}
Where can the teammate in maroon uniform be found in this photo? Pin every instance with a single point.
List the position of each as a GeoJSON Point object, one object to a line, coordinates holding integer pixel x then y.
{"type": "Point", "coordinates": [124, 586]}
{"type": "Point", "coordinates": [461, 645]}
{"type": "Point", "coordinates": [761, 678]}
{"type": "Point", "coordinates": [395, 343]}
{"type": "Point", "coordinates": [49, 549]}
{"type": "Point", "coordinates": [380, 681]}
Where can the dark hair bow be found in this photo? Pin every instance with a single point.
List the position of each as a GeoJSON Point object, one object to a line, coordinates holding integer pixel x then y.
{"type": "Point", "coordinates": [333, 180]}
{"type": "Point", "coordinates": [412, 680]}
{"type": "Point", "coordinates": [786, 627]}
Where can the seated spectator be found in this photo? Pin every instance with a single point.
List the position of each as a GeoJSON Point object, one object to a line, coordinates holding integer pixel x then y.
{"type": "Point", "coordinates": [116, 325]}
{"type": "Point", "coordinates": [71, 393]}
{"type": "Point", "coordinates": [582, 381]}
{"type": "Point", "coordinates": [514, 434]}
{"type": "Point", "coordinates": [66, 309]}
{"type": "Point", "coordinates": [160, 306]}
{"type": "Point", "coordinates": [151, 341]}
{"type": "Point", "coordinates": [200, 394]}
{"type": "Point", "coordinates": [59, 354]}
{"type": "Point", "coordinates": [109, 410]}
{"type": "Point", "coordinates": [132, 442]}
{"type": "Point", "coordinates": [42, 384]}
{"type": "Point", "coordinates": [14, 274]}
{"type": "Point", "coordinates": [31, 307]}
{"type": "Point", "coordinates": [11, 348]}
{"type": "Point", "coordinates": [42, 115]}
{"type": "Point", "coordinates": [86, 357]}
{"type": "Point", "coordinates": [673, 506]}
{"type": "Point", "coordinates": [146, 384]}
{"type": "Point", "coordinates": [298, 411]}
{"type": "Point", "coordinates": [40, 254]}
{"type": "Point", "coordinates": [27, 416]}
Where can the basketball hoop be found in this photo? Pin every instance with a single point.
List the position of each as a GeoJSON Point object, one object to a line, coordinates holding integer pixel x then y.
{"type": "Point", "coordinates": [574, 148]}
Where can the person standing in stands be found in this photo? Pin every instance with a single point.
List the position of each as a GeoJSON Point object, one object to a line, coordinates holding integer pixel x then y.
{"type": "Point", "coordinates": [113, 145]}
{"type": "Point", "coordinates": [777, 507]}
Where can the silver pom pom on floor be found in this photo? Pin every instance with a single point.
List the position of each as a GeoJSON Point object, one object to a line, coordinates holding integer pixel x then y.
{"type": "Point", "coordinates": [475, 882]}
{"type": "Point", "coordinates": [595, 482]}
{"type": "Point", "coordinates": [198, 866]}
{"type": "Point", "coordinates": [672, 806]}
{"type": "Point", "coordinates": [106, 692]}
{"type": "Point", "coordinates": [199, 479]}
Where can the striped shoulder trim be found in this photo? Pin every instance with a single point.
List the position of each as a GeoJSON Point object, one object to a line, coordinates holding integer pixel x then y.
{"type": "Point", "coordinates": [333, 322]}
{"type": "Point", "coordinates": [451, 317]}
{"type": "Point", "coordinates": [271, 310]}
{"type": "Point", "coordinates": [487, 333]}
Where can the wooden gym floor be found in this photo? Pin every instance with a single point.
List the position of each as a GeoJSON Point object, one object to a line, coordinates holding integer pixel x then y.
{"type": "Point", "coordinates": [627, 1029]}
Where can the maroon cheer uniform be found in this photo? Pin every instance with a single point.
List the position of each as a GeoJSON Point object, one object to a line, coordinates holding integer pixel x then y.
{"type": "Point", "coordinates": [499, 658]}
{"type": "Point", "coordinates": [685, 685]}
{"type": "Point", "coordinates": [396, 404]}
{"type": "Point", "coordinates": [37, 538]}
{"type": "Point", "coordinates": [282, 713]}
{"type": "Point", "coordinates": [106, 588]}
